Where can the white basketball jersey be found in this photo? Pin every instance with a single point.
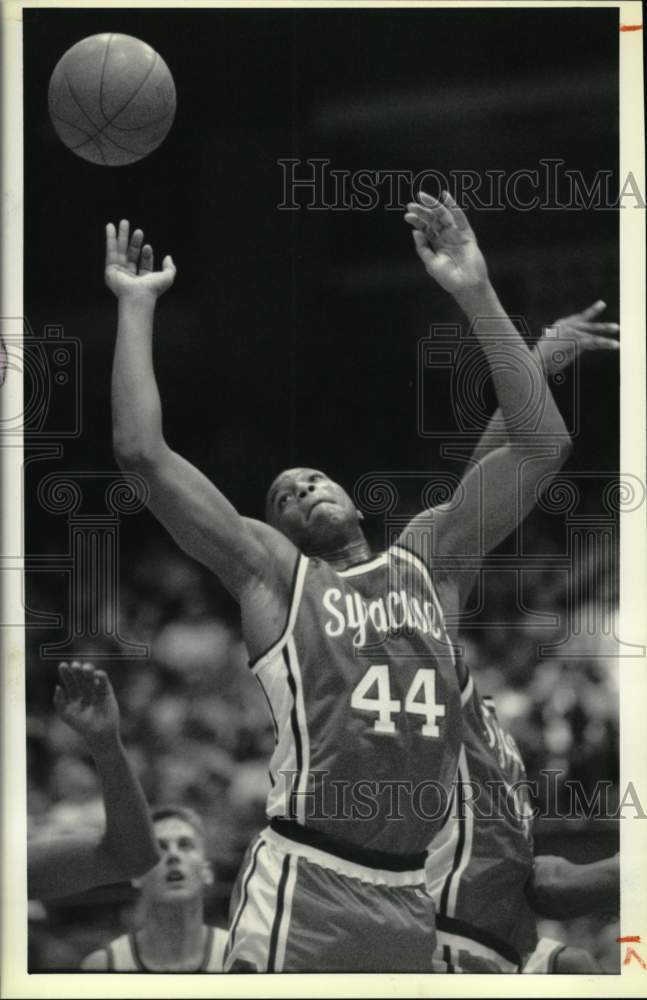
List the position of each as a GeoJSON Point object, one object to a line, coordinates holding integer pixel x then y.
{"type": "Point", "coordinates": [123, 953]}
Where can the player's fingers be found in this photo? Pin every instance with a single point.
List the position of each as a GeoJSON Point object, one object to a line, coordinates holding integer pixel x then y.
{"type": "Point", "coordinates": [60, 700]}
{"type": "Point", "coordinates": [602, 344]}
{"type": "Point", "coordinates": [457, 213]}
{"type": "Point", "coordinates": [146, 261]}
{"type": "Point", "coordinates": [415, 221]}
{"type": "Point", "coordinates": [602, 329]}
{"type": "Point", "coordinates": [423, 249]}
{"type": "Point", "coordinates": [424, 221]}
{"type": "Point", "coordinates": [111, 243]}
{"type": "Point", "coordinates": [86, 682]}
{"type": "Point", "coordinates": [593, 310]}
{"type": "Point", "coordinates": [168, 264]}
{"type": "Point", "coordinates": [69, 681]}
{"type": "Point", "coordinates": [441, 212]}
{"type": "Point", "coordinates": [597, 328]}
{"type": "Point", "coordinates": [433, 220]}
{"type": "Point", "coordinates": [122, 238]}
{"type": "Point", "coordinates": [134, 250]}
{"type": "Point", "coordinates": [101, 682]}
{"type": "Point", "coordinates": [432, 214]}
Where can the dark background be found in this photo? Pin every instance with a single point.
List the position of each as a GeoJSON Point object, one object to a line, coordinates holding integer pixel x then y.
{"type": "Point", "coordinates": [291, 337]}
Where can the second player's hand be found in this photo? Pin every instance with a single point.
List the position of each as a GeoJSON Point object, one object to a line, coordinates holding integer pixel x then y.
{"type": "Point", "coordinates": [568, 337]}
{"type": "Point", "coordinates": [84, 699]}
{"type": "Point", "coordinates": [130, 264]}
{"type": "Point", "coordinates": [446, 244]}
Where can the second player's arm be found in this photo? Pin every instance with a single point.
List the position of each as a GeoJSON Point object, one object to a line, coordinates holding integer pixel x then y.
{"type": "Point", "coordinates": [498, 492]}
{"type": "Point", "coordinates": [200, 518]}
{"type": "Point", "coordinates": [65, 865]}
{"type": "Point", "coordinates": [561, 890]}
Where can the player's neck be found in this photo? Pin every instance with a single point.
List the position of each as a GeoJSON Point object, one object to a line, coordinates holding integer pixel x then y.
{"type": "Point", "coordinates": [350, 554]}
{"type": "Point", "coordinates": [173, 936]}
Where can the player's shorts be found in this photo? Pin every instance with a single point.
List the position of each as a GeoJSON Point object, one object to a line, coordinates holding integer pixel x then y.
{"type": "Point", "coordinates": [542, 960]}
{"type": "Point", "coordinates": [296, 908]}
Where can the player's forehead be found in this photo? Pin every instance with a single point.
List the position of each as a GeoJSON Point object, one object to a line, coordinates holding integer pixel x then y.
{"type": "Point", "coordinates": [175, 828]}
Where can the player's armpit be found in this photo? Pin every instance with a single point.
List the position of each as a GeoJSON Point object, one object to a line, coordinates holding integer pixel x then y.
{"type": "Point", "coordinates": [96, 961]}
{"type": "Point", "coordinates": [208, 527]}
{"type": "Point", "coordinates": [493, 498]}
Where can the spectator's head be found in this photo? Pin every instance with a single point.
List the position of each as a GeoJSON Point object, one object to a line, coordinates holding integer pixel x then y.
{"type": "Point", "coordinates": [183, 872]}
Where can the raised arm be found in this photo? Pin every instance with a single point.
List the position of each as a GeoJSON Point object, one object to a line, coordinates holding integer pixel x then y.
{"type": "Point", "coordinates": [499, 491]}
{"type": "Point", "coordinates": [558, 347]}
{"type": "Point", "coordinates": [65, 865]}
{"type": "Point", "coordinates": [203, 522]}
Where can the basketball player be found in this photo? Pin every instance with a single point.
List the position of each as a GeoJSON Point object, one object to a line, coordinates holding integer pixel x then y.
{"type": "Point", "coordinates": [173, 936]}
{"type": "Point", "coordinates": [487, 886]}
{"type": "Point", "coordinates": [351, 649]}
{"type": "Point", "coordinates": [66, 865]}
{"type": "Point", "coordinates": [482, 874]}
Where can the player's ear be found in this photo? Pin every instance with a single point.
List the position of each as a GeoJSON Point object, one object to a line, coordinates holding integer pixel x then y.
{"type": "Point", "coordinates": [136, 883]}
{"type": "Point", "coordinates": [207, 873]}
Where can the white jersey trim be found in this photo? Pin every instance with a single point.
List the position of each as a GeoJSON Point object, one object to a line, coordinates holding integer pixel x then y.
{"type": "Point", "coordinates": [302, 723]}
{"type": "Point", "coordinates": [466, 693]}
{"type": "Point", "coordinates": [467, 817]}
{"type": "Point", "coordinates": [364, 567]}
{"type": "Point", "coordinates": [414, 560]}
{"type": "Point", "coordinates": [374, 876]}
{"type": "Point", "coordinates": [292, 616]}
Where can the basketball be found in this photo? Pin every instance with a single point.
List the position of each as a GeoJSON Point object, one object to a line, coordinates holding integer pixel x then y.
{"type": "Point", "coordinates": [111, 99]}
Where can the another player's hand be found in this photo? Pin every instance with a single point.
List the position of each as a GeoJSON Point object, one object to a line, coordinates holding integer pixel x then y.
{"type": "Point", "coordinates": [568, 337]}
{"type": "Point", "coordinates": [130, 264]}
{"type": "Point", "coordinates": [84, 699]}
{"type": "Point", "coordinates": [446, 244]}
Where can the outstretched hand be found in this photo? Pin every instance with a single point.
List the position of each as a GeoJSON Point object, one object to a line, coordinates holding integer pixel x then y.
{"type": "Point", "coordinates": [568, 337]}
{"type": "Point", "coordinates": [84, 699]}
{"type": "Point", "coordinates": [130, 264]}
{"type": "Point", "coordinates": [446, 244]}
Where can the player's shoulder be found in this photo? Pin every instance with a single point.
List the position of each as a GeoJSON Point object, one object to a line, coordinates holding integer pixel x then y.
{"type": "Point", "coordinates": [277, 545]}
{"type": "Point", "coordinates": [115, 955]}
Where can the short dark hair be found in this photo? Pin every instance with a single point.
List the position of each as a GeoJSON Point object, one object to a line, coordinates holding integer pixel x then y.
{"type": "Point", "coordinates": [180, 812]}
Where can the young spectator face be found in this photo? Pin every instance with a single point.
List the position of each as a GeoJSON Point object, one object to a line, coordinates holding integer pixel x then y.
{"type": "Point", "coordinates": [183, 871]}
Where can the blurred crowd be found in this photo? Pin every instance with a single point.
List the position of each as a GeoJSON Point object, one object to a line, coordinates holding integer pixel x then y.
{"type": "Point", "coordinates": [196, 727]}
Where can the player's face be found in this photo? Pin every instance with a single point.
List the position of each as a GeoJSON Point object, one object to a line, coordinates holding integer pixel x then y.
{"type": "Point", "coordinates": [182, 872]}
{"type": "Point", "coordinates": [311, 509]}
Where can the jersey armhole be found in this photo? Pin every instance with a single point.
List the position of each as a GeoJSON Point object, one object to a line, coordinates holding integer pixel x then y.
{"type": "Point", "coordinates": [296, 590]}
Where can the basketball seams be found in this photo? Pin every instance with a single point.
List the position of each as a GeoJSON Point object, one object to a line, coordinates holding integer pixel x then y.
{"type": "Point", "coordinates": [102, 131]}
{"type": "Point", "coordinates": [103, 73]}
{"type": "Point", "coordinates": [138, 128]}
{"type": "Point", "coordinates": [86, 115]}
{"type": "Point", "coordinates": [134, 93]}
{"type": "Point", "coordinates": [78, 103]}
{"type": "Point", "coordinates": [73, 125]}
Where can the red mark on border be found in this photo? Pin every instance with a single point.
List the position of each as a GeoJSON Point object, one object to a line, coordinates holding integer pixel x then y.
{"type": "Point", "coordinates": [631, 27]}
{"type": "Point", "coordinates": [631, 952]}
